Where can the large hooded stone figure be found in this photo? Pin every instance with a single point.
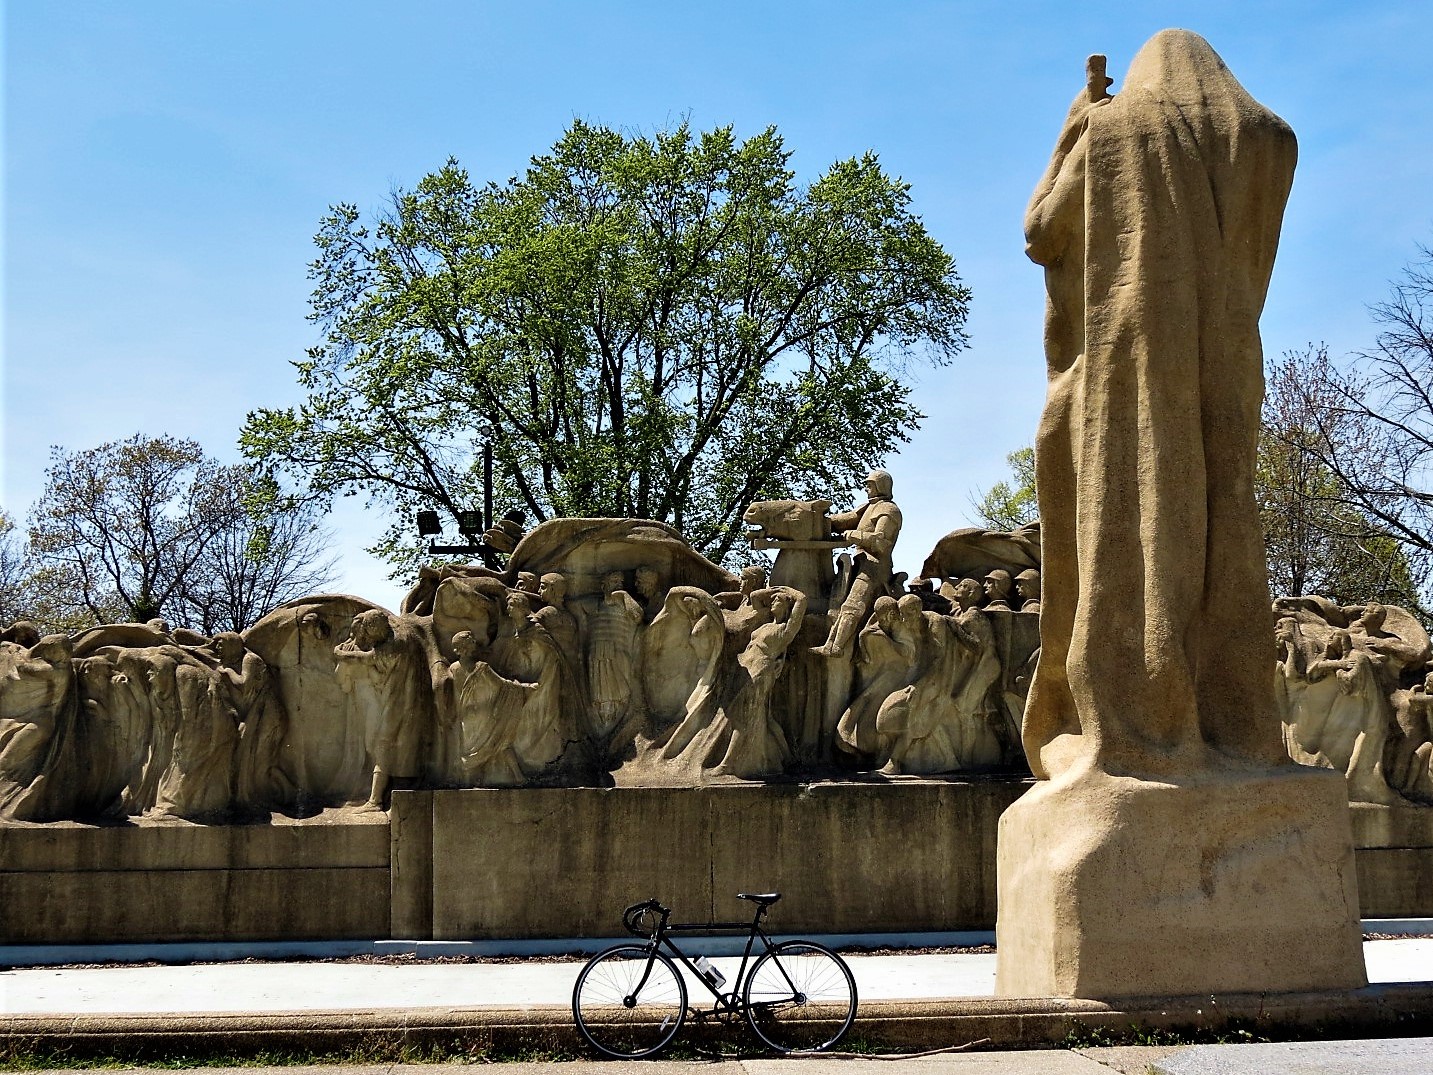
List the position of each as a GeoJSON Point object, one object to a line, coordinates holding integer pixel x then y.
{"type": "Point", "coordinates": [1167, 806]}
{"type": "Point", "coordinates": [1157, 223]}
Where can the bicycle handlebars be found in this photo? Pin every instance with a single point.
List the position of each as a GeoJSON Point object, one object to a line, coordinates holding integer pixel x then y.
{"type": "Point", "coordinates": [632, 917]}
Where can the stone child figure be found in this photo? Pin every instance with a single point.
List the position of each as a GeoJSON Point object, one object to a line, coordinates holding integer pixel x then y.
{"type": "Point", "coordinates": [873, 529]}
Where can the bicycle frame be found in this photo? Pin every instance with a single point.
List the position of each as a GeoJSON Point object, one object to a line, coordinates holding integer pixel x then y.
{"type": "Point", "coordinates": [729, 1000]}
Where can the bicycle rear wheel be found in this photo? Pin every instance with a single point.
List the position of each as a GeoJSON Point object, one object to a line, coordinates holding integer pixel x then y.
{"type": "Point", "coordinates": [800, 997]}
{"type": "Point", "coordinates": [629, 1002]}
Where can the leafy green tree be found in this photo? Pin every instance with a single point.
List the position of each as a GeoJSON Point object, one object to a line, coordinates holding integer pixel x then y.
{"type": "Point", "coordinates": [1008, 505]}
{"type": "Point", "coordinates": [150, 526]}
{"type": "Point", "coordinates": [662, 327]}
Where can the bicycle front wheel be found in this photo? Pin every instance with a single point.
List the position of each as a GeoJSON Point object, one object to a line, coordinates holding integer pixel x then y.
{"type": "Point", "coordinates": [629, 1002]}
{"type": "Point", "coordinates": [800, 997]}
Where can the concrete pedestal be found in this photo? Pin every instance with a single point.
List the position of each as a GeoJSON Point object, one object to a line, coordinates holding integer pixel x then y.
{"type": "Point", "coordinates": [1113, 887]}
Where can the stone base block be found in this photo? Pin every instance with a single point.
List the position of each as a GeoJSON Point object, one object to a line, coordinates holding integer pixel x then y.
{"type": "Point", "coordinates": [889, 856]}
{"type": "Point", "coordinates": [1114, 887]}
{"type": "Point", "coordinates": [161, 880]}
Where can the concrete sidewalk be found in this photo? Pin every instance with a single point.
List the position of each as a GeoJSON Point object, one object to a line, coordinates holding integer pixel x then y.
{"type": "Point", "coordinates": [1407, 1056]}
{"type": "Point", "coordinates": [908, 1002]}
{"type": "Point", "coordinates": [325, 986]}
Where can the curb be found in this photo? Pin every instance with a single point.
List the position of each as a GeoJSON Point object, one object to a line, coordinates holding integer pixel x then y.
{"type": "Point", "coordinates": [1375, 1011]}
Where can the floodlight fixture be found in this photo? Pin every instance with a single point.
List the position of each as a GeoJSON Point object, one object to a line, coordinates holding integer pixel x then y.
{"type": "Point", "coordinates": [470, 522]}
{"type": "Point", "coordinates": [429, 524]}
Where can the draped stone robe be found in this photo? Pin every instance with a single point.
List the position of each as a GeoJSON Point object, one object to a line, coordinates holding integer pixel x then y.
{"type": "Point", "coordinates": [1157, 223]}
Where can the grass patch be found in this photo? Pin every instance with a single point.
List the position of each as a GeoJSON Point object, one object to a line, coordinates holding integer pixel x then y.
{"type": "Point", "coordinates": [46, 1055]}
{"type": "Point", "coordinates": [1083, 1037]}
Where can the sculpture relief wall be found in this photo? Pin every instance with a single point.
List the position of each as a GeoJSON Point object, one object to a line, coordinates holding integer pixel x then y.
{"type": "Point", "coordinates": [1355, 691]}
{"type": "Point", "coordinates": [609, 652]}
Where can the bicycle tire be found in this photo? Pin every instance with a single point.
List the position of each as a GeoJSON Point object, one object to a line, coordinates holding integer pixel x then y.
{"type": "Point", "coordinates": [800, 998]}
{"type": "Point", "coordinates": [618, 1023]}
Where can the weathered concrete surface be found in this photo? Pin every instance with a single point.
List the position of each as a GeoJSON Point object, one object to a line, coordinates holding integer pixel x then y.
{"type": "Point", "coordinates": [1142, 888]}
{"type": "Point", "coordinates": [1395, 882]}
{"type": "Point", "coordinates": [1391, 826]}
{"type": "Point", "coordinates": [173, 881]}
{"type": "Point", "coordinates": [904, 855]}
{"type": "Point", "coordinates": [1381, 1056]}
{"type": "Point", "coordinates": [847, 857]}
{"type": "Point", "coordinates": [411, 856]}
{"type": "Point", "coordinates": [1394, 852]}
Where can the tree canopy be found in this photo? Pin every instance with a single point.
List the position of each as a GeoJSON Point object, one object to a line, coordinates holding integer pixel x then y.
{"type": "Point", "coordinates": [663, 327]}
{"type": "Point", "coordinates": [1370, 420]}
{"type": "Point", "coordinates": [151, 527]}
{"type": "Point", "coordinates": [13, 595]}
{"type": "Point", "coordinates": [1317, 537]}
{"type": "Point", "coordinates": [1009, 505]}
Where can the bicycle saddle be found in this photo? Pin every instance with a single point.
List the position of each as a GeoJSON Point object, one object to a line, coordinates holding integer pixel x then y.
{"type": "Point", "coordinates": [766, 899]}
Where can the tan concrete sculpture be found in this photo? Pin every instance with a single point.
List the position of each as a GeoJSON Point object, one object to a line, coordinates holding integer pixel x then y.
{"type": "Point", "coordinates": [873, 529]}
{"type": "Point", "coordinates": [383, 674]}
{"type": "Point", "coordinates": [1167, 807]}
{"type": "Point", "coordinates": [608, 652]}
{"type": "Point", "coordinates": [1351, 687]}
{"type": "Point", "coordinates": [36, 696]}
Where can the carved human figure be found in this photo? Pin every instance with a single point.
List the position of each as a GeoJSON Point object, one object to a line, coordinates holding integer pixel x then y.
{"type": "Point", "coordinates": [997, 586]}
{"type": "Point", "coordinates": [376, 672]}
{"type": "Point", "coordinates": [263, 724]}
{"type": "Point", "coordinates": [887, 652]}
{"type": "Point", "coordinates": [753, 578]}
{"type": "Point", "coordinates": [682, 651]}
{"type": "Point", "coordinates": [524, 652]}
{"type": "Point", "coordinates": [1413, 773]}
{"type": "Point", "coordinates": [1325, 715]}
{"type": "Point", "coordinates": [1157, 223]}
{"type": "Point", "coordinates": [196, 731]}
{"type": "Point", "coordinates": [36, 688]}
{"type": "Point", "coordinates": [756, 746]}
{"type": "Point", "coordinates": [1391, 652]}
{"type": "Point", "coordinates": [488, 709]}
{"type": "Point", "coordinates": [528, 582]}
{"type": "Point", "coordinates": [554, 616]}
{"type": "Point", "coordinates": [647, 581]}
{"type": "Point", "coordinates": [946, 719]}
{"type": "Point", "coordinates": [1341, 718]}
{"type": "Point", "coordinates": [117, 741]}
{"type": "Point", "coordinates": [1027, 586]}
{"type": "Point", "coordinates": [873, 529]}
{"type": "Point", "coordinates": [611, 653]}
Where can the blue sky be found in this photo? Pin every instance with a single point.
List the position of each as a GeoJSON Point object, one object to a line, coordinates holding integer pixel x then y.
{"type": "Point", "coordinates": [166, 164]}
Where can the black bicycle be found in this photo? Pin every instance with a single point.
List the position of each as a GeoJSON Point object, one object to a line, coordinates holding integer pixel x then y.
{"type": "Point", "coordinates": [631, 1000]}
